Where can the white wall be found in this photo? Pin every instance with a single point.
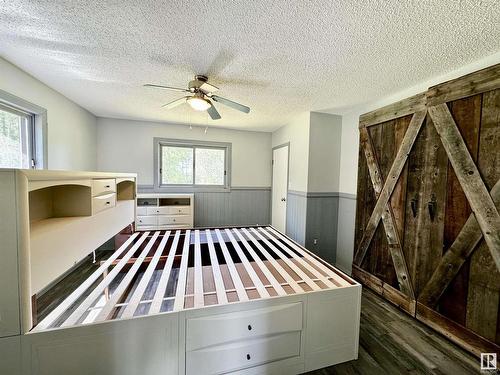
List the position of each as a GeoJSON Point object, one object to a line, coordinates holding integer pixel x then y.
{"type": "Point", "coordinates": [127, 146]}
{"type": "Point", "coordinates": [324, 152]}
{"type": "Point", "coordinates": [71, 129]}
{"type": "Point", "coordinates": [297, 133]}
{"type": "Point", "coordinates": [350, 147]}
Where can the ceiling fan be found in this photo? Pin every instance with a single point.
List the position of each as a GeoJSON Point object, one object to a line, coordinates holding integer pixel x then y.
{"type": "Point", "coordinates": [201, 100]}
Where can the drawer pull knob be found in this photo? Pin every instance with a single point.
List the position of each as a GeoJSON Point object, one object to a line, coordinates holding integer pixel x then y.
{"type": "Point", "coordinates": [249, 327]}
{"type": "Point", "coordinates": [108, 202]}
{"type": "Point", "coordinates": [107, 186]}
{"type": "Point", "coordinates": [248, 357]}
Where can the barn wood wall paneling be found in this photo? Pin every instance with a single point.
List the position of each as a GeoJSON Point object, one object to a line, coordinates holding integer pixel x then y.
{"type": "Point", "coordinates": [427, 224]}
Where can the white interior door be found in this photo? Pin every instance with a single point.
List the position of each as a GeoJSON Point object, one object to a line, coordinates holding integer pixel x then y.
{"type": "Point", "coordinates": [280, 188]}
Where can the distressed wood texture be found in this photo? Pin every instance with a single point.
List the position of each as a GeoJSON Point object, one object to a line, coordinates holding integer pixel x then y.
{"type": "Point", "coordinates": [484, 80]}
{"type": "Point", "coordinates": [442, 215]}
{"type": "Point", "coordinates": [467, 115]}
{"type": "Point", "coordinates": [388, 218]}
{"type": "Point", "coordinates": [484, 279]}
{"type": "Point", "coordinates": [390, 184]}
{"type": "Point", "coordinates": [393, 111]}
{"type": "Point", "coordinates": [468, 175]}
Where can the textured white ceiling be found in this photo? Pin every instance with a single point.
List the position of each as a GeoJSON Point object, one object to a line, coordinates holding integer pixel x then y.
{"type": "Point", "coordinates": [280, 57]}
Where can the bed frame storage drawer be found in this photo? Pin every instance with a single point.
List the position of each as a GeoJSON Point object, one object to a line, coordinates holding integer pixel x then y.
{"type": "Point", "coordinates": [103, 186]}
{"type": "Point", "coordinates": [243, 325]}
{"type": "Point", "coordinates": [103, 202]}
{"type": "Point", "coordinates": [238, 355]}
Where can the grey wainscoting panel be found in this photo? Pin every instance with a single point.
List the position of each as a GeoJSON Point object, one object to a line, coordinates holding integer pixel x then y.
{"type": "Point", "coordinates": [296, 212]}
{"type": "Point", "coordinates": [345, 232]}
{"type": "Point", "coordinates": [238, 207]}
{"type": "Point", "coordinates": [321, 225]}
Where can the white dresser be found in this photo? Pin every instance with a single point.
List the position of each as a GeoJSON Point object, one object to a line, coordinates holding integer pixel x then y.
{"type": "Point", "coordinates": [164, 211]}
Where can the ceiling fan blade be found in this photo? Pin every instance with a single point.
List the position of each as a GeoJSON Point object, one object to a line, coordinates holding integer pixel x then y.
{"type": "Point", "coordinates": [175, 103]}
{"type": "Point", "coordinates": [166, 87]}
{"type": "Point", "coordinates": [214, 114]}
{"type": "Point", "coordinates": [230, 103]}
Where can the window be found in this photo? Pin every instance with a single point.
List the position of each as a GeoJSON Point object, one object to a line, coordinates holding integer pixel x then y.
{"type": "Point", "coordinates": [23, 133]}
{"type": "Point", "coordinates": [16, 138]}
{"type": "Point", "coordinates": [191, 165]}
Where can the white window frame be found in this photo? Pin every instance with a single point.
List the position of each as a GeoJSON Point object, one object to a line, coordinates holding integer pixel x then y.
{"type": "Point", "coordinates": [193, 144]}
{"type": "Point", "coordinates": [37, 127]}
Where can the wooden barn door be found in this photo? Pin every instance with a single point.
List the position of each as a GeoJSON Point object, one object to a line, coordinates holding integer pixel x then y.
{"type": "Point", "coordinates": [382, 260]}
{"type": "Point", "coordinates": [434, 212]}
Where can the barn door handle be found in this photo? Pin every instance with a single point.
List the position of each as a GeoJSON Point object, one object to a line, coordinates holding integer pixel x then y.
{"type": "Point", "coordinates": [432, 207]}
{"type": "Point", "coordinates": [413, 203]}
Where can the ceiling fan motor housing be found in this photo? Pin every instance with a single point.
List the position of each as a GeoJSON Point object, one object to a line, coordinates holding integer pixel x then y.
{"type": "Point", "coordinates": [197, 83]}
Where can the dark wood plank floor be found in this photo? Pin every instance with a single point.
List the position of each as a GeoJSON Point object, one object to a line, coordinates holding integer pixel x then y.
{"type": "Point", "coordinates": [391, 342]}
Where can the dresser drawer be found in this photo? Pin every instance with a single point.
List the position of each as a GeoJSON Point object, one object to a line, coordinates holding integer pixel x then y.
{"type": "Point", "coordinates": [103, 186]}
{"type": "Point", "coordinates": [147, 220]}
{"type": "Point", "coordinates": [242, 354]}
{"type": "Point", "coordinates": [218, 329]}
{"type": "Point", "coordinates": [103, 202]}
{"type": "Point", "coordinates": [178, 210]}
{"type": "Point", "coordinates": [174, 220]}
{"type": "Point", "coordinates": [141, 211]}
{"type": "Point", "coordinates": [156, 211]}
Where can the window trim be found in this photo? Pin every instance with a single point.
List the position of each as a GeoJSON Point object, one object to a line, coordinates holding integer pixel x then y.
{"type": "Point", "coordinates": [38, 141]}
{"type": "Point", "coordinates": [191, 188]}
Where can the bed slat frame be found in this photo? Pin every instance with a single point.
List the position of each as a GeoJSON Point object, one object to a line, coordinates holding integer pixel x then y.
{"type": "Point", "coordinates": [265, 257]}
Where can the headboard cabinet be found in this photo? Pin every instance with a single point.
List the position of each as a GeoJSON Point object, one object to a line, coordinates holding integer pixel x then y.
{"type": "Point", "coordinates": [57, 219]}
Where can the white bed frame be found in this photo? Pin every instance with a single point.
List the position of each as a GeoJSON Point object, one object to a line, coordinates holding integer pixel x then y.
{"type": "Point", "coordinates": [279, 309]}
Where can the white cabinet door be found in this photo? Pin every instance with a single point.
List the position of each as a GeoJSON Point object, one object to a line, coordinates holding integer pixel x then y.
{"type": "Point", "coordinates": [280, 188]}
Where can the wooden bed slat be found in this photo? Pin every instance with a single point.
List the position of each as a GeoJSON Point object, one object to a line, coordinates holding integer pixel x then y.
{"type": "Point", "coordinates": [289, 279]}
{"type": "Point", "coordinates": [251, 272]}
{"type": "Point", "coordinates": [182, 279]}
{"type": "Point", "coordinates": [125, 283]}
{"type": "Point", "coordinates": [198, 274]}
{"type": "Point", "coordinates": [146, 278]}
{"type": "Point", "coordinates": [84, 306]}
{"type": "Point", "coordinates": [265, 270]}
{"type": "Point", "coordinates": [77, 293]}
{"type": "Point", "coordinates": [303, 263]}
{"type": "Point", "coordinates": [240, 289]}
{"type": "Point", "coordinates": [290, 270]}
{"type": "Point", "coordinates": [219, 283]}
{"type": "Point", "coordinates": [165, 276]}
{"type": "Point", "coordinates": [290, 264]}
{"type": "Point", "coordinates": [312, 259]}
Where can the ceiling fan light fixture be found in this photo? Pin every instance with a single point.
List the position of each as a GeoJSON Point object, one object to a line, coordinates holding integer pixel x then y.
{"type": "Point", "coordinates": [198, 104]}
